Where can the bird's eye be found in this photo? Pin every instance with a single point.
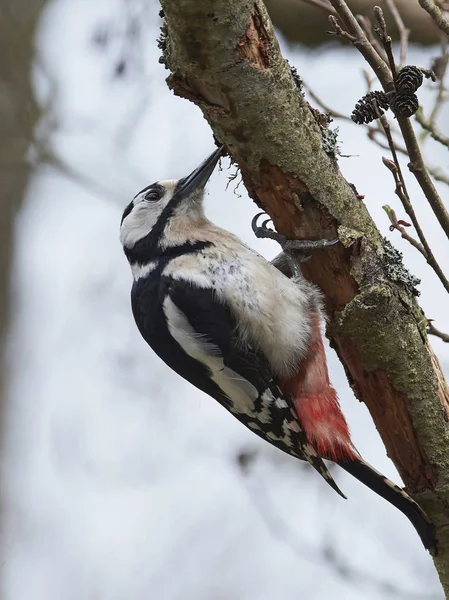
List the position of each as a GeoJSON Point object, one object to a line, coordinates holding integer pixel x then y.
{"type": "Point", "coordinates": [153, 196]}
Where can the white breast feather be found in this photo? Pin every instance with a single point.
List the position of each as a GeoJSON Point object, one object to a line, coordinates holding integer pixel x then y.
{"type": "Point", "coordinates": [272, 311]}
{"type": "Point", "coordinates": [138, 271]}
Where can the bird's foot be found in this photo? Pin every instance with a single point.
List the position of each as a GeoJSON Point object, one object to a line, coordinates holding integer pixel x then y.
{"type": "Point", "coordinates": [294, 250]}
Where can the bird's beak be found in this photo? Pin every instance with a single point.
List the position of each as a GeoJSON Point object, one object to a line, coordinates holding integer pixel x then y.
{"type": "Point", "coordinates": [200, 176]}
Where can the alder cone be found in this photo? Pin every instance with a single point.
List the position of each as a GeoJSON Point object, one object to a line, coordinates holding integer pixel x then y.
{"type": "Point", "coordinates": [404, 105]}
{"type": "Point", "coordinates": [409, 79]}
{"type": "Point", "coordinates": [365, 109]}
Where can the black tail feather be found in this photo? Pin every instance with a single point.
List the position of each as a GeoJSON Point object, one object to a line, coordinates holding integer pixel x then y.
{"type": "Point", "coordinates": [393, 494]}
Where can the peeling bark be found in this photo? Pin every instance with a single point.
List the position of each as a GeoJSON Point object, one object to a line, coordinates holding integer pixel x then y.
{"type": "Point", "coordinates": [254, 45]}
{"type": "Point", "coordinates": [228, 62]}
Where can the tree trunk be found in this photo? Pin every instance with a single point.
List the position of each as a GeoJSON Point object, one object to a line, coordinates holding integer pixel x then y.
{"type": "Point", "coordinates": [226, 59]}
{"type": "Point", "coordinates": [18, 116]}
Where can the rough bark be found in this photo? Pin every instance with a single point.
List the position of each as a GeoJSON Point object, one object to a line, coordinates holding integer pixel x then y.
{"type": "Point", "coordinates": [228, 62]}
{"type": "Point", "coordinates": [301, 22]}
{"type": "Point", "coordinates": [18, 116]}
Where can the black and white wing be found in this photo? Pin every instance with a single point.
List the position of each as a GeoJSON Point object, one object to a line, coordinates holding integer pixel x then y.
{"type": "Point", "coordinates": [234, 373]}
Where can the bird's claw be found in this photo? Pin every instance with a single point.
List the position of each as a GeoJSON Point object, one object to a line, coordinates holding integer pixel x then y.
{"type": "Point", "coordinates": [295, 250]}
{"type": "Point", "coordinates": [262, 231]}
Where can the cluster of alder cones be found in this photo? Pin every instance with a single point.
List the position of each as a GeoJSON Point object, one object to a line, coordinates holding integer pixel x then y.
{"type": "Point", "coordinates": [403, 101]}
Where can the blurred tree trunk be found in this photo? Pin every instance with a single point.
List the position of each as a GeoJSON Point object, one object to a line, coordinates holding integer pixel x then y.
{"type": "Point", "coordinates": [301, 22]}
{"type": "Point", "coordinates": [227, 60]}
{"type": "Point", "coordinates": [18, 116]}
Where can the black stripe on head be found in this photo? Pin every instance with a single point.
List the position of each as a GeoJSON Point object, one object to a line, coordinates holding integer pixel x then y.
{"type": "Point", "coordinates": [148, 248]}
{"type": "Point", "coordinates": [154, 187]}
{"type": "Point", "coordinates": [145, 251]}
{"type": "Point", "coordinates": [126, 212]}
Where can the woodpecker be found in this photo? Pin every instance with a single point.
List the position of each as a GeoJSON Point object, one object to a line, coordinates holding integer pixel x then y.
{"type": "Point", "coordinates": [236, 327]}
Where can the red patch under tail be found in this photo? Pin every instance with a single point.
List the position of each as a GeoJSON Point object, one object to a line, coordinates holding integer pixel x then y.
{"type": "Point", "coordinates": [317, 404]}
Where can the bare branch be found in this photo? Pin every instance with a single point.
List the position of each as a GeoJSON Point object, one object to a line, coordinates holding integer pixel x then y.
{"type": "Point", "coordinates": [419, 170]}
{"type": "Point", "coordinates": [402, 193]}
{"type": "Point", "coordinates": [438, 175]}
{"type": "Point", "coordinates": [440, 65]}
{"type": "Point", "coordinates": [430, 123]}
{"type": "Point", "coordinates": [382, 32]}
{"type": "Point", "coordinates": [322, 5]}
{"type": "Point", "coordinates": [429, 126]}
{"type": "Point", "coordinates": [416, 165]}
{"type": "Point", "coordinates": [327, 109]}
{"type": "Point", "coordinates": [400, 226]}
{"type": "Point", "coordinates": [436, 14]}
{"type": "Point", "coordinates": [366, 25]}
{"type": "Point", "coordinates": [338, 30]}
{"type": "Point", "coordinates": [435, 172]}
{"type": "Point", "coordinates": [402, 29]}
{"type": "Point", "coordinates": [362, 44]}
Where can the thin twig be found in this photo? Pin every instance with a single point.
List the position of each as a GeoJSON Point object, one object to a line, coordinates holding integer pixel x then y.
{"type": "Point", "coordinates": [402, 193]}
{"type": "Point", "coordinates": [323, 5]}
{"type": "Point", "coordinates": [431, 330]}
{"type": "Point", "coordinates": [404, 32]}
{"type": "Point", "coordinates": [369, 79]}
{"type": "Point", "coordinates": [382, 32]}
{"type": "Point", "coordinates": [418, 168]}
{"type": "Point", "coordinates": [330, 111]}
{"type": "Point", "coordinates": [338, 30]}
{"type": "Point", "coordinates": [430, 123]}
{"type": "Point", "coordinates": [367, 26]}
{"type": "Point", "coordinates": [436, 14]}
{"type": "Point", "coordinates": [373, 132]}
{"type": "Point", "coordinates": [416, 165]}
{"type": "Point", "coordinates": [429, 126]}
{"type": "Point", "coordinates": [363, 45]}
{"type": "Point", "coordinates": [399, 224]}
{"type": "Point", "coordinates": [438, 175]}
{"type": "Point", "coordinates": [441, 89]}
{"type": "Point", "coordinates": [435, 172]}
{"type": "Point", "coordinates": [48, 157]}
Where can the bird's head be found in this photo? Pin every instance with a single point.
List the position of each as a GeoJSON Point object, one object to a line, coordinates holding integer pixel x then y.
{"type": "Point", "coordinates": [147, 225]}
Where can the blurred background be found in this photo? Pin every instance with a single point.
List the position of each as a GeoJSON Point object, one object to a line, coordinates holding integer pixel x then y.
{"type": "Point", "coordinates": [119, 480]}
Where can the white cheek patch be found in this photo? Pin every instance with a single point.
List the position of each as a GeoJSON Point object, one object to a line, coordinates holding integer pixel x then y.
{"type": "Point", "coordinates": [144, 215]}
{"type": "Point", "coordinates": [139, 222]}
